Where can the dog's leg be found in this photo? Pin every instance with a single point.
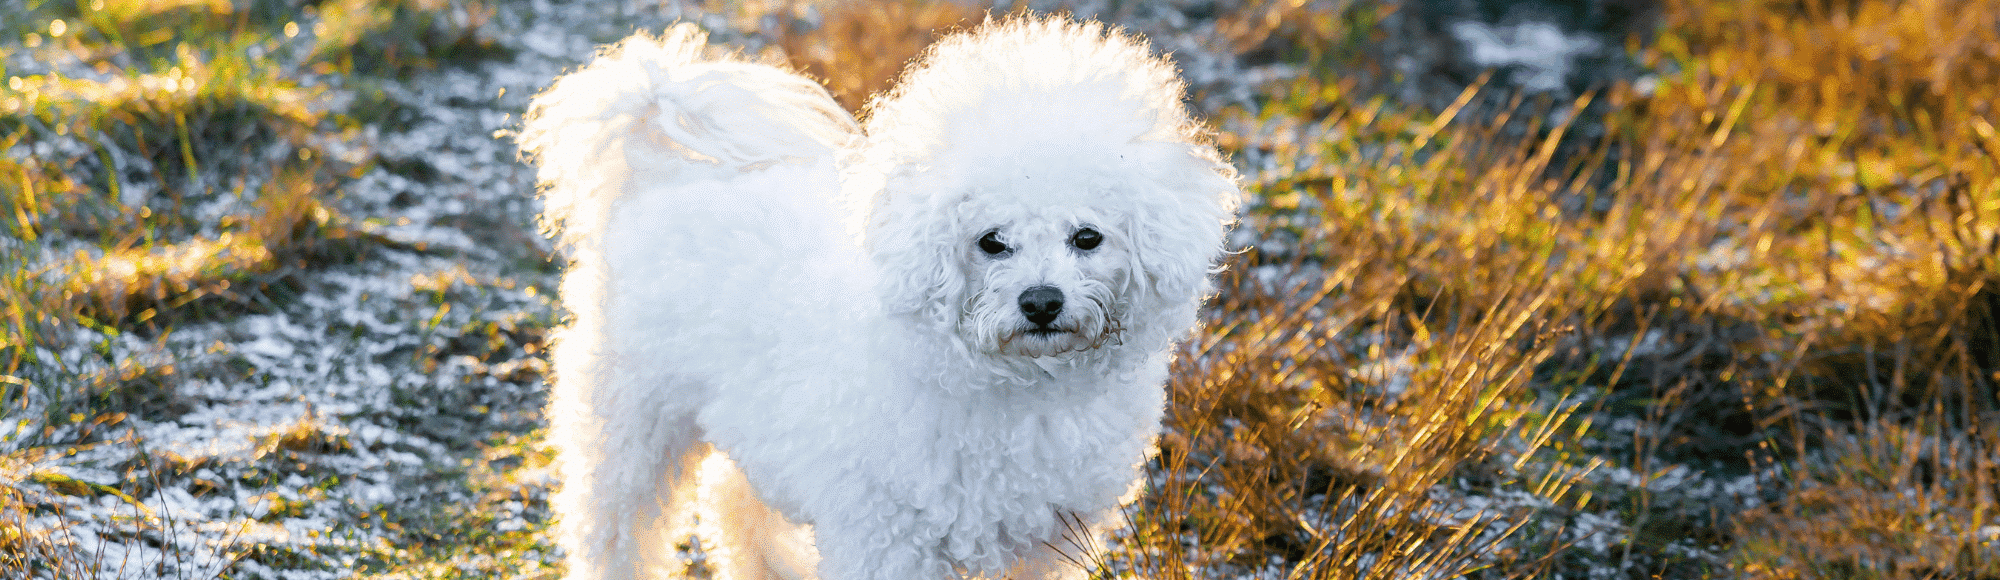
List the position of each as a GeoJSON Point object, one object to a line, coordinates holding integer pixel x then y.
{"type": "Point", "coordinates": [626, 460]}
{"type": "Point", "coordinates": [752, 541]}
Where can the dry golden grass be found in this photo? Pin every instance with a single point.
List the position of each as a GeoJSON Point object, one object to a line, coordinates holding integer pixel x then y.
{"type": "Point", "coordinates": [1848, 151]}
{"type": "Point", "coordinates": [139, 281]}
{"type": "Point", "coordinates": [398, 37]}
{"type": "Point", "coordinates": [1304, 31]}
{"type": "Point", "coordinates": [19, 542]}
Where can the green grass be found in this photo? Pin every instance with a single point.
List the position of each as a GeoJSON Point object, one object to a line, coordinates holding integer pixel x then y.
{"type": "Point", "coordinates": [1751, 333]}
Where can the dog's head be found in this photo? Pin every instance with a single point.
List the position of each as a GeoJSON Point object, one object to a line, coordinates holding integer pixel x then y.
{"type": "Point", "coordinates": [1039, 190]}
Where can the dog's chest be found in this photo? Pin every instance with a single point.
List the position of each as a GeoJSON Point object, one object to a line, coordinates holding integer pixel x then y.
{"type": "Point", "coordinates": [994, 479]}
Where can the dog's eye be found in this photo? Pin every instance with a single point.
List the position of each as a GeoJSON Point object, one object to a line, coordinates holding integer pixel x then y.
{"type": "Point", "coordinates": [991, 244]}
{"type": "Point", "coordinates": [1086, 239]}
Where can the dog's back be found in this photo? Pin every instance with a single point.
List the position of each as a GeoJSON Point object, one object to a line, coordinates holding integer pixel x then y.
{"type": "Point", "coordinates": [692, 194]}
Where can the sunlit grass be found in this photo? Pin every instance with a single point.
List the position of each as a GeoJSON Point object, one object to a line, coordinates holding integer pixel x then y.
{"type": "Point", "coordinates": [1851, 151]}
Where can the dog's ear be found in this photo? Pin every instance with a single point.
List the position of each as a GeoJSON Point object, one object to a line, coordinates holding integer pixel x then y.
{"type": "Point", "coordinates": [913, 237]}
{"type": "Point", "coordinates": [1186, 201]}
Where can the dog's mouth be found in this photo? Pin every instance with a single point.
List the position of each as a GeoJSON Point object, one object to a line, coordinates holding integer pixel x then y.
{"type": "Point", "coordinates": [1047, 331]}
{"type": "Point", "coordinates": [1043, 340]}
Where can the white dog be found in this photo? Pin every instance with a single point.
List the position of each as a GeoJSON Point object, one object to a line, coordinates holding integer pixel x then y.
{"type": "Point", "coordinates": [934, 348]}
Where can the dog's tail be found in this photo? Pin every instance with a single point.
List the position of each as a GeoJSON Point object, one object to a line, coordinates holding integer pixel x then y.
{"type": "Point", "coordinates": [668, 110]}
{"type": "Point", "coordinates": [695, 194]}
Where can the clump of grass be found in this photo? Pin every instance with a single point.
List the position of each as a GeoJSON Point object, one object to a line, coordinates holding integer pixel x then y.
{"type": "Point", "coordinates": [30, 497]}
{"type": "Point", "coordinates": [1315, 34]}
{"type": "Point", "coordinates": [1337, 462]}
{"type": "Point", "coordinates": [1885, 500]}
{"type": "Point", "coordinates": [21, 543]}
{"type": "Point", "coordinates": [393, 38]}
{"type": "Point", "coordinates": [131, 285]}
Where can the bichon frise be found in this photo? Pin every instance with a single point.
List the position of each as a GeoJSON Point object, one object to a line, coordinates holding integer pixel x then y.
{"type": "Point", "coordinates": [932, 346]}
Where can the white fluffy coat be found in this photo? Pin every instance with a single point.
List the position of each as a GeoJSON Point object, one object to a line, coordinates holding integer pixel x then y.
{"type": "Point", "coordinates": [754, 273]}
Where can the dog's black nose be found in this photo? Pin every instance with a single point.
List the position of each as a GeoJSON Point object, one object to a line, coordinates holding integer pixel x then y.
{"type": "Point", "coordinates": [1041, 304]}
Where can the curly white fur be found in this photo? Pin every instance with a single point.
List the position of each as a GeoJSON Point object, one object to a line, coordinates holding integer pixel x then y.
{"type": "Point", "coordinates": [922, 350]}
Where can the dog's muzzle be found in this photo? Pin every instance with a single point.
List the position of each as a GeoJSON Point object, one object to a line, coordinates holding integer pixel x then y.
{"type": "Point", "coordinates": [1041, 305]}
{"type": "Point", "coordinates": [1042, 320]}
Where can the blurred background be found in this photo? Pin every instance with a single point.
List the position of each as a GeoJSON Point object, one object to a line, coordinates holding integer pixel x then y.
{"type": "Point", "coordinates": [1538, 289]}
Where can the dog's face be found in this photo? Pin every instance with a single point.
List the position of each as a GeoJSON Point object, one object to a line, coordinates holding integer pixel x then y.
{"type": "Point", "coordinates": [1044, 284]}
{"type": "Point", "coordinates": [1044, 256]}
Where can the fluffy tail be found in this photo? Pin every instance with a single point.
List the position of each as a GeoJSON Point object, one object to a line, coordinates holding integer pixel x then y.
{"type": "Point", "coordinates": [667, 109]}
{"type": "Point", "coordinates": [695, 197]}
